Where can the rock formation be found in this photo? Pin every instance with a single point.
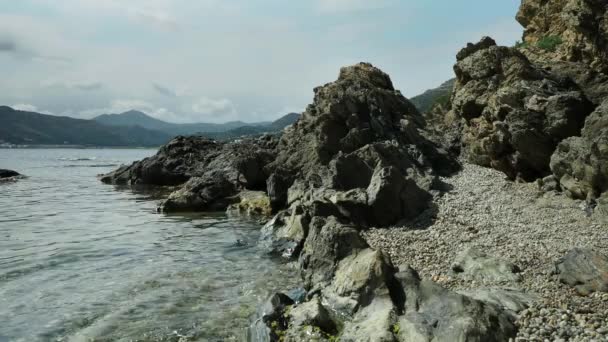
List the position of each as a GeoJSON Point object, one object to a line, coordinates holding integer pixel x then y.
{"type": "Point", "coordinates": [9, 175]}
{"type": "Point", "coordinates": [514, 112]}
{"type": "Point", "coordinates": [566, 30]}
{"type": "Point", "coordinates": [584, 269]}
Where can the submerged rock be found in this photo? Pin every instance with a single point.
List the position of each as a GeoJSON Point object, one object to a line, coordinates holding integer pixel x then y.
{"type": "Point", "coordinates": [515, 112]}
{"type": "Point", "coordinates": [8, 175]}
{"type": "Point", "coordinates": [584, 269]}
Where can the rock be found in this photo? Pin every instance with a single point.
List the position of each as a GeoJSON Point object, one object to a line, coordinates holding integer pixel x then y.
{"type": "Point", "coordinates": [581, 163]}
{"type": "Point", "coordinates": [584, 269]}
{"type": "Point", "coordinates": [311, 313]}
{"type": "Point", "coordinates": [549, 183]}
{"type": "Point", "coordinates": [593, 83]}
{"type": "Point", "coordinates": [9, 175]}
{"type": "Point", "coordinates": [285, 233]}
{"type": "Point", "coordinates": [273, 315]}
{"type": "Point", "coordinates": [356, 125]}
{"type": "Point", "coordinates": [567, 30]}
{"type": "Point", "coordinates": [277, 185]}
{"type": "Point", "coordinates": [359, 279]}
{"type": "Point", "coordinates": [210, 192]}
{"type": "Point", "coordinates": [328, 242]}
{"type": "Point", "coordinates": [255, 204]}
{"type": "Point", "coordinates": [174, 164]}
{"type": "Point", "coordinates": [475, 264]}
{"type": "Point", "coordinates": [432, 313]}
{"type": "Point", "coordinates": [511, 299]}
{"type": "Point", "coordinates": [514, 112]}
{"type": "Point", "coordinates": [373, 323]}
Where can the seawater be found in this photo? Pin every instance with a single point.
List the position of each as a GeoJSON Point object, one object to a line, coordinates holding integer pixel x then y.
{"type": "Point", "coordinates": [84, 261]}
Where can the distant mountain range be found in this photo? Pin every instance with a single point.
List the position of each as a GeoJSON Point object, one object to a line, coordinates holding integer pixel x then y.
{"type": "Point", "coordinates": [126, 129]}
{"type": "Point", "coordinates": [227, 130]}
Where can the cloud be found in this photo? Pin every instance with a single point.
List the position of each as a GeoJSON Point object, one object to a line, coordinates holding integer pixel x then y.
{"type": "Point", "coordinates": [7, 45]}
{"type": "Point", "coordinates": [164, 90]}
{"type": "Point", "coordinates": [26, 107]}
{"type": "Point", "coordinates": [158, 18]}
{"type": "Point", "coordinates": [78, 85]}
{"type": "Point", "coordinates": [208, 107]}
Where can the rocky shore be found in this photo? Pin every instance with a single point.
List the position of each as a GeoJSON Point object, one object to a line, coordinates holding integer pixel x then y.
{"type": "Point", "coordinates": [488, 226]}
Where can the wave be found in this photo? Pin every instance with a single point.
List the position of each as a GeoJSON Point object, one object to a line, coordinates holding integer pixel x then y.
{"type": "Point", "coordinates": [77, 159]}
{"type": "Point", "coordinates": [90, 165]}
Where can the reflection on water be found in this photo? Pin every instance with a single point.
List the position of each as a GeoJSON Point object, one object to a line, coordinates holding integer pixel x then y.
{"type": "Point", "coordinates": [83, 261]}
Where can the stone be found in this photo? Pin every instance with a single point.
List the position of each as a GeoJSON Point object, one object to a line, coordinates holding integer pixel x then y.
{"type": "Point", "coordinates": [285, 233]}
{"type": "Point", "coordinates": [475, 264]}
{"type": "Point", "coordinates": [373, 323]}
{"type": "Point", "coordinates": [432, 313]}
{"type": "Point", "coordinates": [578, 27]}
{"type": "Point", "coordinates": [514, 112]}
{"type": "Point", "coordinates": [581, 163]}
{"type": "Point", "coordinates": [585, 270]}
{"type": "Point", "coordinates": [511, 299]}
{"type": "Point", "coordinates": [311, 313]}
{"type": "Point", "coordinates": [9, 175]}
{"type": "Point", "coordinates": [252, 204]}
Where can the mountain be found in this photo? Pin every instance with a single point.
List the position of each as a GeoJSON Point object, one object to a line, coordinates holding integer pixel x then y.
{"type": "Point", "coordinates": [29, 128]}
{"type": "Point", "coordinates": [440, 95]}
{"type": "Point", "coordinates": [135, 118]}
{"type": "Point", "coordinates": [229, 130]}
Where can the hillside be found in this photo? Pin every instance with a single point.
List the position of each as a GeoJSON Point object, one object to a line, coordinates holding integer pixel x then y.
{"type": "Point", "coordinates": [440, 95]}
{"type": "Point", "coordinates": [29, 128]}
{"type": "Point", "coordinates": [225, 131]}
{"type": "Point", "coordinates": [136, 118]}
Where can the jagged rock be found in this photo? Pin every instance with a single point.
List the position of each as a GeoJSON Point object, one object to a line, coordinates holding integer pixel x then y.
{"type": "Point", "coordinates": [476, 264]}
{"type": "Point", "coordinates": [432, 313]}
{"type": "Point", "coordinates": [359, 279]}
{"type": "Point", "coordinates": [549, 183]}
{"type": "Point", "coordinates": [584, 269]}
{"type": "Point", "coordinates": [175, 163]}
{"type": "Point", "coordinates": [355, 126]}
{"type": "Point", "coordinates": [211, 192]}
{"type": "Point", "coordinates": [581, 163]}
{"type": "Point", "coordinates": [578, 28]}
{"type": "Point", "coordinates": [593, 83]}
{"type": "Point", "coordinates": [285, 233]}
{"type": "Point", "coordinates": [515, 113]}
{"type": "Point", "coordinates": [374, 323]}
{"type": "Point", "coordinates": [311, 313]}
{"type": "Point", "coordinates": [328, 242]}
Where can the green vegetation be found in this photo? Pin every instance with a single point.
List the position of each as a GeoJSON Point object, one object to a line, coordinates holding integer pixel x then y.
{"type": "Point", "coordinates": [428, 100]}
{"type": "Point", "coordinates": [396, 328]}
{"type": "Point", "coordinates": [521, 45]}
{"type": "Point", "coordinates": [549, 43]}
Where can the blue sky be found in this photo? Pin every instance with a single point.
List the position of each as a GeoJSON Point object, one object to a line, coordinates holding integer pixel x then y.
{"type": "Point", "coordinates": [221, 60]}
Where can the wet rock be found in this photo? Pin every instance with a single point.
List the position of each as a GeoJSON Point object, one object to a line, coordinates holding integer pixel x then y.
{"type": "Point", "coordinates": [432, 313]}
{"type": "Point", "coordinates": [581, 163]}
{"type": "Point", "coordinates": [514, 112]}
{"type": "Point", "coordinates": [285, 233]}
{"type": "Point", "coordinates": [584, 269]}
{"type": "Point", "coordinates": [210, 192]}
{"type": "Point", "coordinates": [9, 175]}
{"type": "Point", "coordinates": [273, 316]}
{"type": "Point", "coordinates": [476, 264]}
{"type": "Point", "coordinates": [374, 323]}
{"type": "Point", "coordinates": [311, 313]}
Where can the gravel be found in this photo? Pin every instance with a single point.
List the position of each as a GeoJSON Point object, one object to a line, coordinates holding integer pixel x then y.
{"type": "Point", "coordinates": [517, 222]}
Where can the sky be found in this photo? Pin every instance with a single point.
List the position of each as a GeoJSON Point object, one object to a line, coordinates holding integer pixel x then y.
{"type": "Point", "coordinates": [224, 60]}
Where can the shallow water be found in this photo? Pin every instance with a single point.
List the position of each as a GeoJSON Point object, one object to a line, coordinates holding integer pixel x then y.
{"type": "Point", "coordinates": [84, 261]}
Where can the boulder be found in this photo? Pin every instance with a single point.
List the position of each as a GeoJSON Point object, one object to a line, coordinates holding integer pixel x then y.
{"type": "Point", "coordinates": [311, 313]}
{"type": "Point", "coordinates": [432, 313]}
{"type": "Point", "coordinates": [581, 163]}
{"type": "Point", "coordinates": [357, 125]}
{"type": "Point", "coordinates": [511, 299]}
{"type": "Point", "coordinates": [567, 30]}
{"type": "Point", "coordinates": [285, 233]}
{"type": "Point", "coordinates": [584, 269]}
{"type": "Point", "coordinates": [175, 163]}
{"type": "Point", "coordinates": [475, 264]}
{"type": "Point", "coordinates": [514, 112]}
{"type": "Point", "coordinates": [251, 204]}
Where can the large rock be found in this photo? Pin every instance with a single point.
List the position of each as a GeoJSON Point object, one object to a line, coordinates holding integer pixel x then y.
{"type": "Point", "coordinates": [515, 113]}
{"type": "Point", "coordinates": [9, 175]}
{"type": "Point", "coordinates": [432, 313]}
{"type": "Point", "coordinates": [476, 264]}
{"type": "Point", "coordinates": [567, 30]}
{"type": "Point", "coordinates": [584, 269]}
{"type": "Point", "coordinates": [175, 163]}
{"type": "Point", "coordinates": [581, 163]}
{"type": "Point", "coordinates": [360, 143]}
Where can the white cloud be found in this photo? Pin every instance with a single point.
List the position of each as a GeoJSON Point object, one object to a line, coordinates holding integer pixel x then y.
{"type": "Point", "coordinates": [73, 85]}
{"type": "Point", "coordinates": [208, 107]}
{"type": "Point", "coordinates": [26, 107]}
